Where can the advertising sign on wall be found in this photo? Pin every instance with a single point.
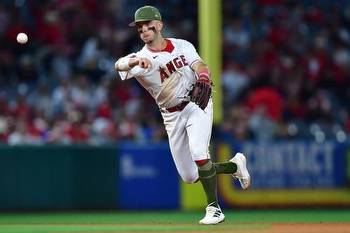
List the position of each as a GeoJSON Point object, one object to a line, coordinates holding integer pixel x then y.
{"type": "Point", "coordinates": [288, 174]}
{"type": "Point", "coordinates": [147, 177]}
{"type": "Point", "coordinates": [296, 165]}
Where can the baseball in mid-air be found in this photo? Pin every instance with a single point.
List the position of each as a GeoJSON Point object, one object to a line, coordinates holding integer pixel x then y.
{"type": "Point", "coordinates": [22, 38]}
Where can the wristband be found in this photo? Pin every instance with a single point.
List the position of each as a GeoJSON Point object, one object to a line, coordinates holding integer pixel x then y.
{"type": "Point", "coordinates": [204, 74]}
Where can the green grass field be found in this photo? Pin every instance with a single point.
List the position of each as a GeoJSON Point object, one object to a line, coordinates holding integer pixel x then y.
{"type": "Point", "coordinates": [107, 222]}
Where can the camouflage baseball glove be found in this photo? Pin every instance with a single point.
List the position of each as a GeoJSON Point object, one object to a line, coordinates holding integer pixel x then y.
{"type": "Point", "coordinates": [201, 92]}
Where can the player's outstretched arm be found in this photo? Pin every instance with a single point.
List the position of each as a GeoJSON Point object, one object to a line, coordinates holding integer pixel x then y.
{"type": "Point", "coordinates": [127, 63]}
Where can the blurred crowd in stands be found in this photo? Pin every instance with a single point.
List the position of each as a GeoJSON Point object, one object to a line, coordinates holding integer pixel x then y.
{"type": "Point", "coordinates": [285, 70]}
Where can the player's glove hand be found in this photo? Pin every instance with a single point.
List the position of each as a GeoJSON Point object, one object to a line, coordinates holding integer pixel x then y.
{"type": "Point", "coordinates": [201, 92]}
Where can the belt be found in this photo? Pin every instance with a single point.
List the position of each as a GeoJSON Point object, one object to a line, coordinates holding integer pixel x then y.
{"type": "Point", "coordinates": [178, 107]}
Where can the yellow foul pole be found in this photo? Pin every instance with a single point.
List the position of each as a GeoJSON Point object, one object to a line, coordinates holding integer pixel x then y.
{"type": "Point", "coordinates": [210, 47]}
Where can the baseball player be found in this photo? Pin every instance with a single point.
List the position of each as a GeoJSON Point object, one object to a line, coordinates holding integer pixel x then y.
{"type": "Point", "coordinates": [177, 78]}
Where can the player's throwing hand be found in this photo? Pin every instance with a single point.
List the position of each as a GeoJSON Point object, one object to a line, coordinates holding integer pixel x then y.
{"type": "Point", "coordinates": [144, 63]}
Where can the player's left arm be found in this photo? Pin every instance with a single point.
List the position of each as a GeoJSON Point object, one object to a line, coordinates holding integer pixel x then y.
{"type": "Point", "coordinates": [201, 70]}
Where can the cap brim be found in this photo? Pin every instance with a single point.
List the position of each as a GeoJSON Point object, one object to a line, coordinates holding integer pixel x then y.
{"type": "Point", "coordinates": [133, 24]}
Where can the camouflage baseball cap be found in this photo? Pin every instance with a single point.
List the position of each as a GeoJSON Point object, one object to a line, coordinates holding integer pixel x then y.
{"type": "Point", "coordinates": [146, 13]}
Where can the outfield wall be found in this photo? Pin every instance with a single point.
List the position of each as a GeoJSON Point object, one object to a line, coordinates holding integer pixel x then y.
{"type": "Point", "coordinates": [142, 176]}
{"type": "Point", "coordinates": [57, 177]}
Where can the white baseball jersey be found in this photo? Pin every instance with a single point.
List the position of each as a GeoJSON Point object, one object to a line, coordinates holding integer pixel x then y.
{"type": "Point", "coordinates": [168, 81]}
{"type": "Point", "coordinates": [170, 77]}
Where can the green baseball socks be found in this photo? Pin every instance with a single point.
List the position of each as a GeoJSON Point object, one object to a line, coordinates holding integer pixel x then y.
{"type": "Point", "coordinates": [208, 177]}
{"type": "Point", "coordinates": [225, 167]}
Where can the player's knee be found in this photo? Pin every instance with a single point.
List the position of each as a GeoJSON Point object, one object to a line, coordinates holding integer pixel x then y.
{"type": "Point", "coordinates": [190, 178]}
